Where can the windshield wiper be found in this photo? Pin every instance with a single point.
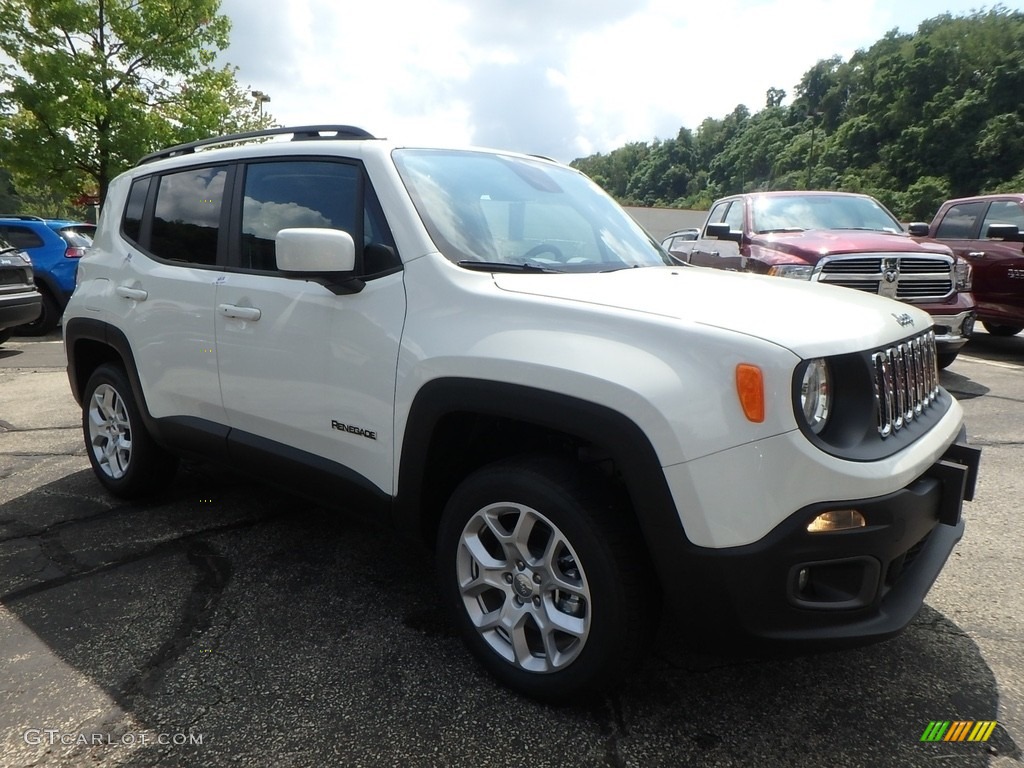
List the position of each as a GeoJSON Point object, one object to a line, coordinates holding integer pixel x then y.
{"type": "Point", "coordinates": [781, 229]}
{"type": "Point", "coordinates": [501, 266]}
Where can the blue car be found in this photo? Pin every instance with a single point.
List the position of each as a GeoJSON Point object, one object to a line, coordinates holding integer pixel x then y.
{"type": "Point", "coordinates": [55, 246]}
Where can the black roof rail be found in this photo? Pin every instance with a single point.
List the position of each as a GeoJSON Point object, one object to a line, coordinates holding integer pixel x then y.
{"type": "Point", "coordinates": [21, 216]}
{"type": "Point", "coordinates": [298, 133]}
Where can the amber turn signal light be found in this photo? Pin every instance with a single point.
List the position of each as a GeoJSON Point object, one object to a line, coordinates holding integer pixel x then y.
{"type": "Point", "coordinates": [750, 388]}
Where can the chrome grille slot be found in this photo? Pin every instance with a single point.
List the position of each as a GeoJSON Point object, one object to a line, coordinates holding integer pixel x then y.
{"type": "Point", "coordinates": [852, 266]}
{"type": "Point", "coordinates": [906, 381]}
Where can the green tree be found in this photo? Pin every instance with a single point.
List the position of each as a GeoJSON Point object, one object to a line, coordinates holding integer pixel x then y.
{"type": "Point", "coordinates": [9, 201]}
{"type": "Point", "coordinates": [922, 199]}
{"type": "Point", "coordinates": [96, 84]}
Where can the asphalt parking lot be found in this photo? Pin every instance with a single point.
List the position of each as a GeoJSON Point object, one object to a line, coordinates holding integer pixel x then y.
{"type": "Point", "coordinates": [229, 624]}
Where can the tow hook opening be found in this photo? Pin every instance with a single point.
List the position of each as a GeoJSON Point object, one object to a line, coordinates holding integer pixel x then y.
{"type": "Point", "coordinates": [835, 584]}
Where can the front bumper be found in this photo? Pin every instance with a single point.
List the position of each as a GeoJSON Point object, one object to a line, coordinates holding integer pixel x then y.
{"type": "Point", "coordinates": [952, 331]}
{"type": "Point", "coordinates": [850, 586]}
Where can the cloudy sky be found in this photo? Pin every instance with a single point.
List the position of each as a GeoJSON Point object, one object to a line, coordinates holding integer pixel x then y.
{"type": "Point", "coordinates": [564, 78]}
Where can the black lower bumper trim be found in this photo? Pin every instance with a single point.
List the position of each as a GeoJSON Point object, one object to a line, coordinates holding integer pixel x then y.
{"type": "Point", "coordinates": [844, 587]}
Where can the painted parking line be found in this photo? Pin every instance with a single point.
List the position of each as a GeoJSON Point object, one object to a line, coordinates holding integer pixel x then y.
{"type": "Point", "coordinates": [993, 363]}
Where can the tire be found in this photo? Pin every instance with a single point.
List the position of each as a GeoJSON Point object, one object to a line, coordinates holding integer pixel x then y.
{"type": "Point", "coordinates": [124, 456]}
{"type": "Point", "coordinates": [998, 329]}
{"type": "Point", "coordinates": [48, 318]}
{"type": "Point", "coordinates": [545, 578]}
{"type": "Point", "coordinates": [5, 334]}
{"type": "Point", "coordinates": [945, 359]}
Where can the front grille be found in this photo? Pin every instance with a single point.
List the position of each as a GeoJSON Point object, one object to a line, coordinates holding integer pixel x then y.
{"type": "Point", "coordinates": [907, 278]}
{"type": "Point", "coordinates": [906, 381]}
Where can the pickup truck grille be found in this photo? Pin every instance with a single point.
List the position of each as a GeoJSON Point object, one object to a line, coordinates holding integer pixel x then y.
{"type": "Point", "coordinates": [907, 278]}
{"type": "Point", "coordinates": [906, 381]}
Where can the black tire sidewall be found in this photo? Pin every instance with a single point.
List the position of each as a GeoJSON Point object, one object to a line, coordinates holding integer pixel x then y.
{"type": "Point", "coordinates": [607, 653]}
{"type": "Point", "coordinates": [1001, 329]}
{"type": "Point", "coordinates": [49, 317]}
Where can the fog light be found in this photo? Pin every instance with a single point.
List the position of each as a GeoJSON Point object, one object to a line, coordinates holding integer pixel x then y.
{"type": "Point", "coordinates": [968, 326]}
{"type": "Point", "coordinates": [836, 520]}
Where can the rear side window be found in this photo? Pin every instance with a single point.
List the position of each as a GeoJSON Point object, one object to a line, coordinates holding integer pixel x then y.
{"type": "Point", "coordinates": [186, 221]}
{"type": "Point", "coordinates": [131, 226]}
{"type": "Point", "coordinates": [21, 237]}
{"type": "Point", "coordinates": [960, 221]}
{"type": "Point", "coordinates": [78, 237]}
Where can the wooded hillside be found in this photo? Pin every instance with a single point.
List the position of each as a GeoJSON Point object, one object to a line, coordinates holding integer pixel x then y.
{"type": "Point", "coordinates": [914, 119]}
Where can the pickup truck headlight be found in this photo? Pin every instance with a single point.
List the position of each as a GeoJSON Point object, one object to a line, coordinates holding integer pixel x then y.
{"type": "Point", "coordinates": [816, 395]}
{"type": "Point", "coordinates": [964, 275]}
{"type": "Point", "coordinates": [794, 271]}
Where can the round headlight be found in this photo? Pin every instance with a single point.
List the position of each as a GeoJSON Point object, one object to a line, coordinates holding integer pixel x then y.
{"type": "Point", "coordinates": [816, 395]}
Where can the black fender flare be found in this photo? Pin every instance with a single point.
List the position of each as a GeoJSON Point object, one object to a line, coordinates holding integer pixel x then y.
{"type": "Point", "coordinates": [625, 442]}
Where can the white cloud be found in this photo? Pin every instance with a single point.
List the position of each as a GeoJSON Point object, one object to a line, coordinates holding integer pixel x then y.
{"type": "Point", "coordinates": [563, 78]}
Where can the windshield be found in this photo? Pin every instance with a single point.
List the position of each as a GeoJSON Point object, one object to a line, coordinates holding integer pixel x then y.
{"type": "Point", "coordinates": [513, 211]}
{"type": "Point", "coordinates": [788, 213]}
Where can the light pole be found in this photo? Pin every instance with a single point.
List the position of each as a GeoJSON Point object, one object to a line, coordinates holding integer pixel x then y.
{"type": "Point", "coordinates": [261, 99]}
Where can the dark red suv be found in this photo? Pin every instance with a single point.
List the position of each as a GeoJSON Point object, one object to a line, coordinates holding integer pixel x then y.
{"type": "Point", "coordinates": [988, 231]}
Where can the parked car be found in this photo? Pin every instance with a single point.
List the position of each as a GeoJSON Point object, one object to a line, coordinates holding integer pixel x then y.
{"type": "Point", "coordinates": [55, 246]}
{"type": "Point", "coordinates": [20, 302]}
{"type": "Point", "coordinates": [482, 350]}
{"type": "Point", "coordinates": [840, 239]}
{"type": "Point", "coordinates": [680, 242]}
{"type": "Point", "coordinates": [987, 231]}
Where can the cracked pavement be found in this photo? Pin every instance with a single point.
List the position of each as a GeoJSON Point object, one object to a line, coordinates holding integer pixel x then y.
{"type": "Point", "coordinates": [250, 628]}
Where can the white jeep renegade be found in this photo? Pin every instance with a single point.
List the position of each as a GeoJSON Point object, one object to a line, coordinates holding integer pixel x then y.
{"type": "Point", "coordinates": [482, 349]}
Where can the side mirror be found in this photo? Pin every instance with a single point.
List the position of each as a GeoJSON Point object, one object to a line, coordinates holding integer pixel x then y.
{"type": "Point", "coordinates": [1005, 232]}
{"type": "Point", "coordinates": [917, 229]}
{"type": "Point", "coordinates": [326, 256]}
{"type": "Point", "coordinates": [722, 232]}
{"type": "Point", "coordinates": [318, 251]}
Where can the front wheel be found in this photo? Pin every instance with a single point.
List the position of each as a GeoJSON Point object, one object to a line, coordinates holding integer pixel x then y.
{"type": "Point", "coordinates": [945, 359]}
{"type": "Point", "coordinates": [123, 454]}
{"type": "Point", "coordinates": [546, 577]}
{"type": "Point", "coordinates": [998, 329]}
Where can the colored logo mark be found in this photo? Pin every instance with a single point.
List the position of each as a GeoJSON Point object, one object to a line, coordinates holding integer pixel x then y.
{"type": "Point", "coordinates": [958, 730]}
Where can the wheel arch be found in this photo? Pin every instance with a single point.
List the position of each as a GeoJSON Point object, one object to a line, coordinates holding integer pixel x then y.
{"type": "Point", "coordinates": [456, 425]}
{"type": "Point", "coordinates": [91, 343]}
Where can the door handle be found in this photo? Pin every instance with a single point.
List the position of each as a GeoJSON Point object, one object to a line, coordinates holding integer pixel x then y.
{"type": "Point", "coordinates": [242, 313]}
{"type": "Point", "coordinates": [135, 294]}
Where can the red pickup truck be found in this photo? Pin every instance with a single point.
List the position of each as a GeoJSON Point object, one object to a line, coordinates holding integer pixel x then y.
{"type": "Point", "coordinates": [842, 239]}
{"type": "Point", "coordinates": [987, 231]}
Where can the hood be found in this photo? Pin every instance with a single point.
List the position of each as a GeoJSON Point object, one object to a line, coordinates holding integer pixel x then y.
{"type": "Point", "coordinates": [810, 319]}
{"type": "Point", "coordinates": [812, 244]}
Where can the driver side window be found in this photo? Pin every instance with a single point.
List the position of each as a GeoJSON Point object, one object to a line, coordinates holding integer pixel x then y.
{"type": "Point", "coordinates": [311, 193]}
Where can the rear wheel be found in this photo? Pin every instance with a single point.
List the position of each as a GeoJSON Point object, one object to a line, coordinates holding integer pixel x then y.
{"type": "Point", "coordinates": [123, 454]}
{"type": "Point", "coordinates": [998, 329]}
{"type": "Point", "coordinates": [546, 579]}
